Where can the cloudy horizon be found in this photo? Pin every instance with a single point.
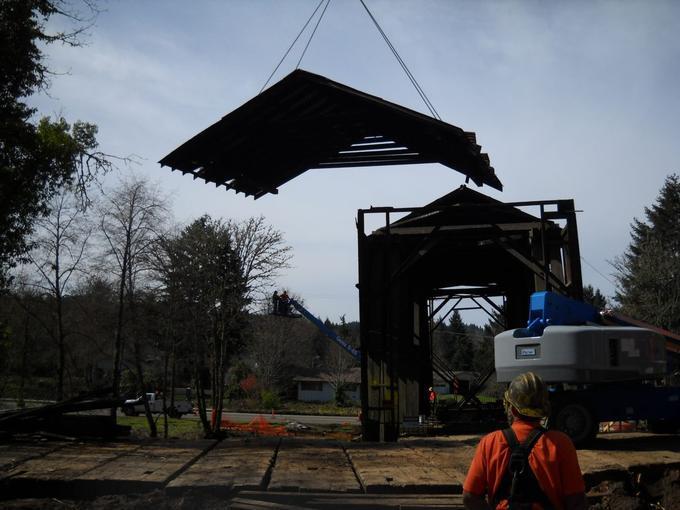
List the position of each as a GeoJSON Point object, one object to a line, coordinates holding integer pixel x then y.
{"type": "Point", "coordinates": [570, 100]}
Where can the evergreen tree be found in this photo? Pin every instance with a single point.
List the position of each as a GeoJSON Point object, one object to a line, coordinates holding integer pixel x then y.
{"type": "Point", "coordinates": [36, 159]}
{"type": "Point", "coordinates": [648, 273]}
{"type": "Point", "coordinates": [594, 297]}
{"type": "Point", "coordinates": [460, 351]}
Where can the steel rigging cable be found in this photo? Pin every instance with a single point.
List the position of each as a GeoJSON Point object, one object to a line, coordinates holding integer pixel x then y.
{"type": "Point", "coordinates": [313, 32]}
{"type": "Point", "coordinates": [291, 46]}
{"type": "Point", "coordinates": [415, 83]}
{"type": "Point", "coordinates": [394, 51]}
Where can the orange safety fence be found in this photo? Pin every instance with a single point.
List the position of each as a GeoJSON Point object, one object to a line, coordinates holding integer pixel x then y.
{"type": "Point", "coordinates": [258, 425]}
{"type": "Point", "coordinates": [618, 426]}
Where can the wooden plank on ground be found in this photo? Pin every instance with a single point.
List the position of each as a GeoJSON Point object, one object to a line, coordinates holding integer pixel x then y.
{"type": "Point", "coordinates": [232, 465]}
{"type": "Point", "coordinates": [312, 466]}
{"type": "Point", "coordinates": [146, 468]}
{"type": "Point", "coordinates": [69, 462]}
{"type": "Point", "coordinates": [252, 500]}
{"type": "Point", "coordinates": [451, 457]}
{"type": "Point", "coordinates": [14, 453]}
{"type": "Point", "coordinates": [399, 468]}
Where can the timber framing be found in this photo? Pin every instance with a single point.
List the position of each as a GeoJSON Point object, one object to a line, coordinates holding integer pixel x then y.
{"type": "Point", "coordinates": [463, 251]}
{"type": "Point", "coordinates": [306, 121]}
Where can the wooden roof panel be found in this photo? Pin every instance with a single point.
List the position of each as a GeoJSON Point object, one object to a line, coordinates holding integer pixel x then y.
{"type": "Point", "coordinates": [307, 121]}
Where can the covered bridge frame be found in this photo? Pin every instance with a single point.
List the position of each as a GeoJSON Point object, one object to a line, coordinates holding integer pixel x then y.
{"type": "Point", "coordinates": [463, 246]}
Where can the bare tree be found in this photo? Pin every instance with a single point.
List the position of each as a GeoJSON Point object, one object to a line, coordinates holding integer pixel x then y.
{"type": "Point", "coordinates": [261, 252]}
{"type": "Point", "coordinates": [276, 346]}
{"type": "Point", "coordinates": [59, 247]}
{"type": "Point", "coordinates": [338, 362]}
{"type": "Point", "coordinates": [132, 218]}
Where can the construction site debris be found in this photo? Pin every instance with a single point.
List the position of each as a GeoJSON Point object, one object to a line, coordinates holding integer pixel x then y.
{"type": "Point", "coordinates": [55, 419]}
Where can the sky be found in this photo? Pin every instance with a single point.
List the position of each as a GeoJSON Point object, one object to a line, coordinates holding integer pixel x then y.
{"type": "Point", "coordinates": [570, 100]}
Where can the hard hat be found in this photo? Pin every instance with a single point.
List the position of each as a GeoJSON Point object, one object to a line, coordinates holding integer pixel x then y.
{"type": "Point", "coordinates": [528, 394]}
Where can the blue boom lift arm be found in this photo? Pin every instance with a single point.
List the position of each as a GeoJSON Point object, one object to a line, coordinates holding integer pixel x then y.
{"type": "Point", "coordinates": [550, 309]}
{"type": "Point", "coordinates": [326, 330]}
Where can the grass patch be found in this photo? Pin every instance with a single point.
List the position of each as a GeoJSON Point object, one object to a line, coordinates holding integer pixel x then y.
{"type": "Point", "coordinates": [293, 407]}
{"type": "Point", "coordinates": [328, 409]}
{"type": "Point", "coordinates": [177, 427]}
{"type": "Point", "coordinates": [457, 398]}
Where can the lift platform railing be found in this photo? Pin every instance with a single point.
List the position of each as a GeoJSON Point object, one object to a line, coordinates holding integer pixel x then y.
{"type": "Point", "coordinates": [326, 330]}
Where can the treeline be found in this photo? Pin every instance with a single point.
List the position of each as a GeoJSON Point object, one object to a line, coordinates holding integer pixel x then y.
{"type": "Point", "coordinates": [466, 347]}
{"type": "Point", "coordinates": [116, 295]}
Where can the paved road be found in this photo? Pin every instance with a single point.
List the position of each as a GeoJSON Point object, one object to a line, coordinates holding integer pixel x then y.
{"type": "Point", "coordinates": [235, 417]}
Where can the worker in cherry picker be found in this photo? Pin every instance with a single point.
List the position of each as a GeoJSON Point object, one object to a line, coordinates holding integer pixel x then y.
{"type": "Point", "coordinates": [284, 303]}
{"type": "Point", "coordinates": [275, 302]}
{"type": "Point", "coordinates": [525, 466]}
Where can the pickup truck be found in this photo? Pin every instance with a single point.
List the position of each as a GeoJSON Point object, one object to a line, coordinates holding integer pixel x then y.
{"type": "Point", "coordinates": [134, 406]}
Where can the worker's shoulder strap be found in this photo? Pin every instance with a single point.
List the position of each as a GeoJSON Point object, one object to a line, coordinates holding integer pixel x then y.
{"type": "Point", "coordinates": [519, 484]}
{"type": "Point", "coordinates": [520, 451]}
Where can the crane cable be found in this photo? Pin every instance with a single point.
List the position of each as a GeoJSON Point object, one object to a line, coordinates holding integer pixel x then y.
{"type": "Point", "coordinates": [291, 46]}
{"type": "Point", "coordinates": [313, 32]}
{"type": "Point", "coordinates": [412, 78]}
{"type": "Point", "coordinates": [400, 60]}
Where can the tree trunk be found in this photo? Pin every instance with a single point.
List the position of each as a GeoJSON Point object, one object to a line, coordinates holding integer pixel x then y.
{"type": "Point", "coordinates": [200, 401]}
{"type": "Point", "coordinates": [153, 432]}
{"type": "Point", "coordinates": [60, 324]}
{"type": "Point", "coordinates": [119, 344]}
{"type": "Point", "coordinates": [165, 392]}
{"type": "Point", "coordinates": [218, 391]}
{"type": "Point", "coordinates": [172, 374]}
{"type": "Point", "coordinates": [24, 365]}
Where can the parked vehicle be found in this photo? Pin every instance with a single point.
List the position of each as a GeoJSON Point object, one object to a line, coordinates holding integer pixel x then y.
{"type": "Point", "coordinates": [601, 366]}
{"type": "Point", "coordinates": [135, 406]}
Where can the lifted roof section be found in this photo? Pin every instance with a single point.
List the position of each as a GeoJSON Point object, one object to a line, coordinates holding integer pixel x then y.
{"type": "Point", "coordinates": [306, 121]}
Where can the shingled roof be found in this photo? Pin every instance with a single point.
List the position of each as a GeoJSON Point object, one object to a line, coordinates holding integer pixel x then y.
{"type": "Point", "coordinates": [307, 121]}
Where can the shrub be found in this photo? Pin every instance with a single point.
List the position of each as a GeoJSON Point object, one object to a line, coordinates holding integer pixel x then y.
{"type": "Point", "coordinates": [270, 400]}
{"type": "Point", "coordinates": [248, 384]}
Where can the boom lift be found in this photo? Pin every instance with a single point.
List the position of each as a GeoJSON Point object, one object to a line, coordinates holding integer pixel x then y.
{"type": "Point", "coordinates": [596, 371]}
{"type": "Point", "coordinates": [326, 330]}
{"type": "Point", "coordinates": [469, 393]}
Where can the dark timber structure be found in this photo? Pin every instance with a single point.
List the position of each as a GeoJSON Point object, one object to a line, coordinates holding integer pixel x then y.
{"type": "Point", "coordinates": [464, 246]}
{"type": "Point", "coordinates": [307, 121]}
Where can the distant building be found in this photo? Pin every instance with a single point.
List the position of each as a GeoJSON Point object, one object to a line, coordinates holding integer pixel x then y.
{"type": "Point", "coordinates": [318, 388]}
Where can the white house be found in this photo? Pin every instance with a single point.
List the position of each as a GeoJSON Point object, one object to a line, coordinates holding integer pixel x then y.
{"type": "Point", "coordinates": [317, 388]}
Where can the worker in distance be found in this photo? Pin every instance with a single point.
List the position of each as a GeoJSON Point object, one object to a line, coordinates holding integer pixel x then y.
{"type": "Point", "coordinates": [525, 466]}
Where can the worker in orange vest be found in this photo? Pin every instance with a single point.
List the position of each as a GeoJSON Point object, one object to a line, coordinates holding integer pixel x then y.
{"type": "Point", "coordinates": [284, 303]}
{"type": "Point", "coordinates": [525, 466]}
{"type": "Point", "coordinates": [432, 398]}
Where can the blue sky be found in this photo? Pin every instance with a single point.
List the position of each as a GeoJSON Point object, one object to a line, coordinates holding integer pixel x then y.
{"type": "Point", "coordinates": [571, 100]}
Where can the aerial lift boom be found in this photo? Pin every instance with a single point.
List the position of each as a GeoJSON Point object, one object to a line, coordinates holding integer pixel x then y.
{"type": "Point", "coordinates": [326, 330]}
